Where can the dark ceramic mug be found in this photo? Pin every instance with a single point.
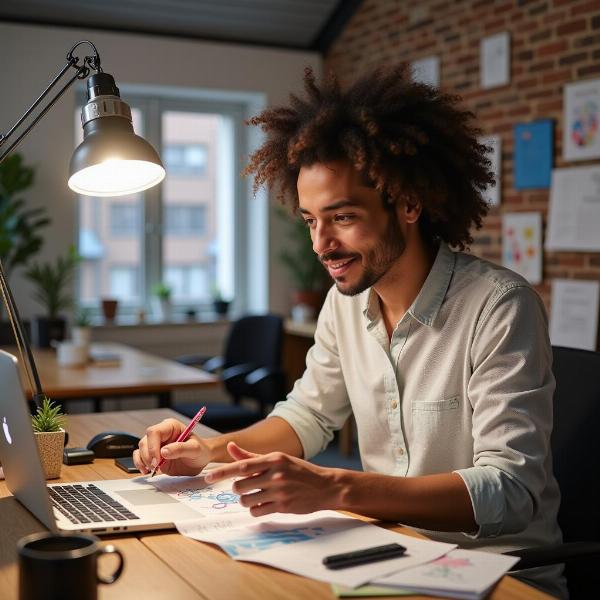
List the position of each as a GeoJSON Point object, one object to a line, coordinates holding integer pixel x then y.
{"type": "Point", "coordinates": [62, 566]}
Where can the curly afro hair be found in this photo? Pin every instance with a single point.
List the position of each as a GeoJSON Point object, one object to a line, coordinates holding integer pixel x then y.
{"type": "Point", "coordinates": [409, 141]}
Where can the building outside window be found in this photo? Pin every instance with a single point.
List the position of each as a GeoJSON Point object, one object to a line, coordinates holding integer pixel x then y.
{"type": "Point", "coordinates": [186, 232]}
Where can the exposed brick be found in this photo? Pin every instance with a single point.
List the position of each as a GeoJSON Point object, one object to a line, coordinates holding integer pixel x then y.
{"type": "Point", "coordinates": [596, 22]}
{"type": "Point", "coordinates": [591, 70]}
{"type": "Point", "coordinates": [588, 40]}
{"type": "Point", "coordinates": [573, 58]}
{"type": "Point", "coordinates": [553, 48]}
{"type": "Point", "coordinates": [589, 7]}
{"type": "Point", "coordinates": [550, 107]}
{"type": "Point", "coordinates": [537, 10]}
{"type": "Point", "coordinates": [541, 35]}
{"type": "Point", "coordinates": [571, 27]}
{"type": "Point", "coordinates": [541, 66]}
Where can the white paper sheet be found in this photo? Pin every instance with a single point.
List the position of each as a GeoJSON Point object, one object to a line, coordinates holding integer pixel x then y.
{"type": "Point", "coordinates": [492, 193]}
{"type": "Point", "coordinates": [581, 133]}
{"type": "Point", "coordinates": [574, 313]}
{"type": "Point", "coordinates": [522, 244]}
{"type": "Point", "coordinates": [298, 544]}
{"type": "Point", "coordinates": [495, 60]}
{"type": "Point", "coordinates": [460, 574]}
{"type": "Point", "coordinates": [574, 211]}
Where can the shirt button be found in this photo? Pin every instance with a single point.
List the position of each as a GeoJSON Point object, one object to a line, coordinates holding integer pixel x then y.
{"type": "Point", "coordinates": [400, 451]}
{"type": "Point", "coordinates": [394, 405]}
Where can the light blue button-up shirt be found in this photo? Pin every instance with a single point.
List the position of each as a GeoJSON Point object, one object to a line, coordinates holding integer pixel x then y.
{"type": "Point", "coordinates": [464, 385]}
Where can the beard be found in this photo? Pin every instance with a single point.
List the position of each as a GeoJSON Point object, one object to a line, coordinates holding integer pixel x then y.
{"type": "Point", "coordinates": [376, 263]}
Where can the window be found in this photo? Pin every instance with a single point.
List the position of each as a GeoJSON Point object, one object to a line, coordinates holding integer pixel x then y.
{"type": "Point", "coordinates": [125, 218]}
{"type": "Point", "coordinates": [185, 221]}
{"type": "Point", "coordinates": [185, 159]}
{"type": "Point", "coordinates": [191, 231]}
{"type": "Point", "coordinates": [124, 283]}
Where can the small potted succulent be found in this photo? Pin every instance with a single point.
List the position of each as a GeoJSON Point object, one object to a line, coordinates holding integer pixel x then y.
{"type": "Point", "coordinates": [48, 426]}
{"type": "Point", "coordinates": [82, 330]}
{"type": "Point", "coordinates": [162, 305]}
{"type": "Point", "coordinates": [220, 305]}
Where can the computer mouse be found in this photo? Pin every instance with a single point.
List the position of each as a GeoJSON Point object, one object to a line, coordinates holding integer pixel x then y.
{"type": "Point", "coordinates": [113, 444]}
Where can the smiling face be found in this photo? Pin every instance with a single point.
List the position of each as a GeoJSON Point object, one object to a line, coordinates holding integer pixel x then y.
{"type": "Point", "coordinates": [354, 236]}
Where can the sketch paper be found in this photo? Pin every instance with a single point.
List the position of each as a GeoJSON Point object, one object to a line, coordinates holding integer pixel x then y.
{"type": "Point", "coordinates": [492, 193]}
{"type": "Point", "coordinates": [581, 136]}
{"type": "Point", "coordinates": [465, 574]}
{"type": "Point", "coordinates": [426, 70]}
{"type": "Point", "coordinates": [495, 60]}
{"type": "Point", "coordinates": [533, 154]}
{"type": "Point", "coordinates": [574, 211]}
{"type": "Point", "coordinates": [522, 244]}
{"type": "Point", "coordinates": [298, 544]}
{"type": "Point", "coordinates": [574, 313]}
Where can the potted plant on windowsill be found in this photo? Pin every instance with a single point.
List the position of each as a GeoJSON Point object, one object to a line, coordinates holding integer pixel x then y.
{"type": "Point", "coordinates": [82, 330]}
{"type": "Point", "coordinates": [51, 281]}
{"type": "Point", "coordinates": [162, 305]}
{"type": "Point", "coordinates": [220, 305]}
{"type": "Point", "coordinates": [48, 427]}
{"type": "Point", "coordinates": [309, 278]}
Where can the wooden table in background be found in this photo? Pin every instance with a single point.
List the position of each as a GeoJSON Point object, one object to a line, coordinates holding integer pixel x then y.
{"type": "Point", "coordinates": [137, 373]}
{"type": "Point", "coordinates": [166, 565]}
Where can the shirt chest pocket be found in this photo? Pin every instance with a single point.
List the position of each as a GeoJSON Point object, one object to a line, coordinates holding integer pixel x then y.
{"type": "Point", "coordinates": [434, 418]}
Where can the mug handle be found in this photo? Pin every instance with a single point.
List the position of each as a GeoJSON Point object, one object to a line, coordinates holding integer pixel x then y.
{"type": "Point", "coordinates": [110, 549]}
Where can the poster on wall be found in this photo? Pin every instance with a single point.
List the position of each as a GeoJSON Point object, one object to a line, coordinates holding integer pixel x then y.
{"type": "Point", "coordinates": [574, 313]}
{"type": "Point", "coordinates": [492, 193]}
{"type": "Point", "coordinates": [533, 154]}
{"type": "Point", "coordinates": [574, 210]}
{"type": "Point", "coordinates": [494, 60]}
{"type": "Point", "coordinates": [581, 137]}
{"type": "Point", "coordinates": [426, 70]}
{"type": "Point", "coordinates": [522, 244]}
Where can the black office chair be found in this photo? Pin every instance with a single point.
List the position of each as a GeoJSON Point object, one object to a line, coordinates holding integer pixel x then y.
{"type": "Point", "coordinates": [576, 456]}
{"type": "Point", "coordinates": [250, 368]}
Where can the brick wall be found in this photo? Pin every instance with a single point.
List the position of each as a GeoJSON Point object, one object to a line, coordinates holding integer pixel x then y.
{"type": "Point", "coordinates": [553, 42]}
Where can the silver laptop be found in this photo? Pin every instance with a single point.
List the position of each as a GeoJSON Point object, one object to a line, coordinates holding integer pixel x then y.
{"type": "Point", "coordinates": [99, 507]}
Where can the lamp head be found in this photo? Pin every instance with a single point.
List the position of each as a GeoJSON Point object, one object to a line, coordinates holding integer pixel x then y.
{"type": "Point", "coordinates": [112, 160]}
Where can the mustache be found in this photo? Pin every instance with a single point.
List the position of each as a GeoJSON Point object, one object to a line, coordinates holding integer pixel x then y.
{"type": "Point", "coordinates": [333, 256]}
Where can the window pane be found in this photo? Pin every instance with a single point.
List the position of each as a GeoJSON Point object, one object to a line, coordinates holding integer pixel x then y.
{"type": "Point", "coordinates": [110, 242]}
{"type": "Point", "coordinates": [190, 227]}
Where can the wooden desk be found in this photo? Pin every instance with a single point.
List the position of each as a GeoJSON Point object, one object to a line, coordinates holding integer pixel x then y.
{"type": "Point", "coordinates": [138, 373]}
{"type": "Point", "coordinates": [165, 564]}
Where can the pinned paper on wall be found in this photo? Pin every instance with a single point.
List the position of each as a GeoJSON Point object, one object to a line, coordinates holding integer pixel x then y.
{"type": "Point", "coordinates": [426, 70]}
{"type": "Point", "coordinates": [494, 61]}
{"type": "Point", "coordinates": [581, 135]}
{"type": "Point", "coordinates": [574, 313]}
{"type": "Point", "coordinates": [492, 193]}
{"type": "Point", "coordinates": [522, 244]}
{"type": "Point", "coordinates": [533, 154]}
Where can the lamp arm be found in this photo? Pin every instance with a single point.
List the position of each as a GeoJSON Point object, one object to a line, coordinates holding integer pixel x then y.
{"type": "Point", "coordinates": [82, 71]}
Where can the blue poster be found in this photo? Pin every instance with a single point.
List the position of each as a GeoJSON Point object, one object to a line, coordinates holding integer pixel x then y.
{"type": "Point", "coordinates": [533, 143]}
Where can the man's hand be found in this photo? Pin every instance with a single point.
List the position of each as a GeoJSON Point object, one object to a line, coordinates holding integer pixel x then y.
{"type": "Point", "coordinates": [278, 482]}
{"type": "Point", "coordinates": [183, 458]}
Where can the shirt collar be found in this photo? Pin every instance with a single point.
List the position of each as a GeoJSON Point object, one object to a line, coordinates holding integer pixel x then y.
{"type": "Point", "coordinates": [429, 300]}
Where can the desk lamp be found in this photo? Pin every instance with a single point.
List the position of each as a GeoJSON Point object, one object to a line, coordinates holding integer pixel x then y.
{"type": "Point", "coordinates": [111, 161]}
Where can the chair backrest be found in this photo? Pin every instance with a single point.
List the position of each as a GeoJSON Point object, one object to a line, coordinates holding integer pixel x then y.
{"type": "Point", "coordinates": [576, 441]}
{"type": "Point", "coordinates": [256, 339]}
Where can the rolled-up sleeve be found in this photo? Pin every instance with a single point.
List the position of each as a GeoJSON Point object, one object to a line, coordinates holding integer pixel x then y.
{"type": "Point", "coordinates": [318, 404]}
{"type": "Point", "coordinates": [510, 391]}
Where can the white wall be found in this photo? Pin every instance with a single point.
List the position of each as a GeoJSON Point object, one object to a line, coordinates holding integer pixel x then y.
{"type": "Point", "coordinates": [31, 55]}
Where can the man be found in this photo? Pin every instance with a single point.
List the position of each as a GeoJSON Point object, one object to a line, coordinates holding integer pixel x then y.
{"type": "Point", "coordinates": [443, 359]}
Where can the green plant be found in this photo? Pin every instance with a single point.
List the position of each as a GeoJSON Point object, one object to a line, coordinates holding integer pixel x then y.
{"type": "Point", "coordinates": [83, 318]}
{"type": "Point", "coordinates": [51, 281]}
{"type": "Point", "coordinates": [19, 226]}
{"type": "Point", "coordinates": [162, 290]}
{"type": "Point", "coordinates": [48, 417]}
{"type": "Point", "coordinates": [298, 257]}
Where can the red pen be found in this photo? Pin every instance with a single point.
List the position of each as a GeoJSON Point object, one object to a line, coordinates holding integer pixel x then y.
{"type": "Point", "coordinates": [185, 434]}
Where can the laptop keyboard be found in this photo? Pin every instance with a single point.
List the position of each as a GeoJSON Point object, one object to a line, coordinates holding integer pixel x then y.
{"type": "Point", "coordinates": [87, 504]}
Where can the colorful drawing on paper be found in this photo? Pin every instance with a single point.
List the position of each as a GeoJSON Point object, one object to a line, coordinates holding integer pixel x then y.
{"type": "Point", "coordinates": [522, 245]}
{"type": "Point", "coordinates": [581, 131]}
{"type": "Point", "coordinates": [584, 124]}
{"type": "Point", "coordinates": [265, 540]}
{"type": "Point", "coordinates": [209, 497]}
{"type": "Point", "coordinates": [448, 568]}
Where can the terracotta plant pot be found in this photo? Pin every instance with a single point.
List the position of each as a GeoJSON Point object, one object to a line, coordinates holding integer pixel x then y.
{"type": "Point", "coordinates": [311, 299]}
{"type": "Point", "coordinates": [50, 448]}
{"type": "Point", "coordinates": [109, 308]}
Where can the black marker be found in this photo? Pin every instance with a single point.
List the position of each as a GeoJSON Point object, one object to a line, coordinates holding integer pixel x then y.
{"type": "Point", "coordinates": [363, 557]}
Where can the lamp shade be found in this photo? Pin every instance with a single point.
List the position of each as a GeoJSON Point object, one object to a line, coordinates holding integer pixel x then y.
{"type": "Point", "coordinates": [112, 160]}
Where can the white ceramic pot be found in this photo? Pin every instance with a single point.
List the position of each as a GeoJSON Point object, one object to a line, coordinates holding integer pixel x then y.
{"type": "Point", "coordinates": [70, 354]}
{"type": "Point", "coordinates": [50, 448]}
{"type": "Point", "coordinates": [82, 336]}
